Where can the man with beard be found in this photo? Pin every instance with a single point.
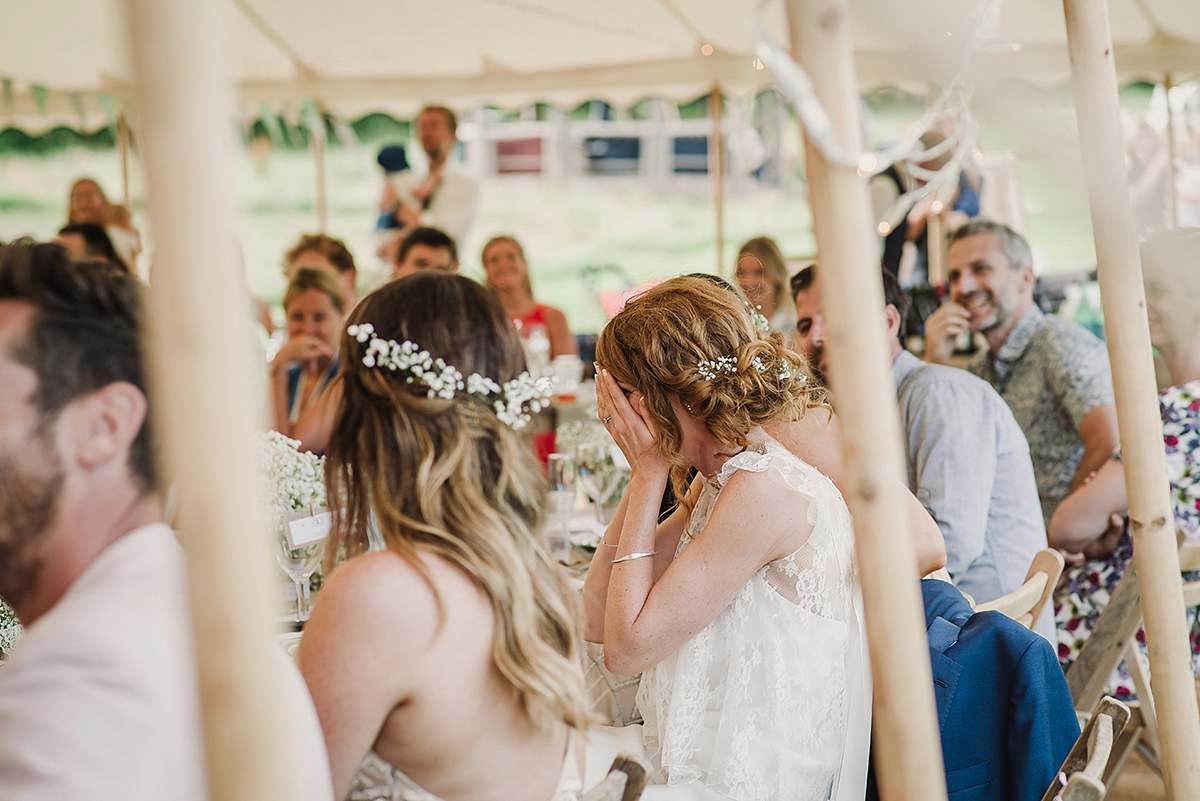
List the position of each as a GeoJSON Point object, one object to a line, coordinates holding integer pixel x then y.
{"type": "Point", "coordinates": [968, 462]}
{"type": "Point", "coordinates": [1053, 373]}
{"type": "Point", "coordinates": [99, 700]}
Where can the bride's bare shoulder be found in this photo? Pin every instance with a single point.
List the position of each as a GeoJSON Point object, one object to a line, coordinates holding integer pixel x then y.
{"type": "Point", "coordinates": [815, 438]}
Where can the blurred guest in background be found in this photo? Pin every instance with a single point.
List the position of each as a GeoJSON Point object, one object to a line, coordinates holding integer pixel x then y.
{"type": "Point", "coordinates": [325, 252]}
{"type": "Point", "coordinates": [508, 277]}
{"type": "Point", "coordinates": [762, 274]}
{"type": "Point", "coordinates": [424, 249]}
{"type": "Point", "coordinates": [303, 401]}
{"type": "Point", "coordinates": [445, 198]}
{"type": "Point", "coordinates": [89, 242]}
{"type": "Point", "coordinates": [88, 204]}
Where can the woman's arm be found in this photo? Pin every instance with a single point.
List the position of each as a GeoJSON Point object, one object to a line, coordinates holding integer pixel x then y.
{"type": "Point", "coordinates": [1084, 516]}
{"type": "Point", "coordinates": [562, 341]}
{"type": "Point", "coordinates": [315, 423]}
{"type": "Point", "coordinates": [666, 539]}
{"type": "Point", "coordinates": [636, 517]}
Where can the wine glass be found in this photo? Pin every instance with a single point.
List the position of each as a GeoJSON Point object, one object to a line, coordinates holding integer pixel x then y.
{"type": "Point", "coordinates": [299, 562]}
{"type": "Point", "coordinates": [599, 474]}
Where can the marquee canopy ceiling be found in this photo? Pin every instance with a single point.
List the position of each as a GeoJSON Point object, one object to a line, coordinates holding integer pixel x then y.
{"type": "Point", "coordinates": [65, 61]}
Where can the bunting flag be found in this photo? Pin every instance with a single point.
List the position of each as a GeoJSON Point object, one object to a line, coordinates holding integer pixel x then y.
{"type": "Point", "coordinates": [6, 88]}
{"type": "Point", "coordinates": [106, 104]}
{"type": "Point", "coordinates": [313, 120]}
{"type": "Point", "coordinates": [271, 122]}
{"type": "Point", "coordinates": [40, 93]}
{"type": "Point", "coordinates": [77, 104]}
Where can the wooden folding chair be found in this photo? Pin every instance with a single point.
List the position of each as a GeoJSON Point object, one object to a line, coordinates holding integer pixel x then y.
{"type": "Point", "coordinates": [1113, 639]}
{"type": "Point", "coordinates": [1084, 773]}
{"type": "Point", "coordinates": [1025, 603]}
{"type": "Point", "coordinates": [625, 781]}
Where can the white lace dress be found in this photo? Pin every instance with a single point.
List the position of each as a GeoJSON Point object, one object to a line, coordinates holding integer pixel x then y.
{"type": "Point", "coordinates": [772, 700]}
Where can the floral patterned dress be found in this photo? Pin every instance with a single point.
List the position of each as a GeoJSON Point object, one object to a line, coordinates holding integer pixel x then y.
{"type": "Point", "coordinates": [1085, 589]}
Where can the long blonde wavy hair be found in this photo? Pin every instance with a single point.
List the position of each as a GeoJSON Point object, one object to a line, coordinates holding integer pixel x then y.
{"type": "Point", "coordinates": [658, 343]}
{"type": "Point", "coordinates": [445, 477]}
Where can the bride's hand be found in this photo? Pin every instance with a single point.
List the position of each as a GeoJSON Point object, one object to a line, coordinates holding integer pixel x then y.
{"type": "Point", "coordinates": [626, 420]}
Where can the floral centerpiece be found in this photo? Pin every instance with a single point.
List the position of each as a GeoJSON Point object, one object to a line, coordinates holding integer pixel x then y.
{"type": "Point", "coordinates": [10, 628]}
{"type": "Point", "coordinates": [295, 482]}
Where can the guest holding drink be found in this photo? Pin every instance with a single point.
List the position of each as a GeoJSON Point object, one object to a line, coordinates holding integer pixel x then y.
{"type": "Point", "coordinates": [303, 396]}
{"type": "Point", "coordinates": [508, 277]}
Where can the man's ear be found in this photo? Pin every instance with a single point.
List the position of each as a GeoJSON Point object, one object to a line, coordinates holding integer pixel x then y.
{"type": "Point", "coordinates": [891, 318]}
{"type": "Point", "coordinates": [105, 423]}
{"type": "Point", "coordinates": [1028, 278]}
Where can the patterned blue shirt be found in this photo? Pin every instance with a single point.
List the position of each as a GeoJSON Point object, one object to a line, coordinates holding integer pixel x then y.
{"type": "Point", "coordinates": [1052, 372]}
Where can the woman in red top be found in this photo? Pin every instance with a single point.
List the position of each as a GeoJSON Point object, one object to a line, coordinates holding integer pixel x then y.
{"type": "Point", "coordinates": [508, 277]}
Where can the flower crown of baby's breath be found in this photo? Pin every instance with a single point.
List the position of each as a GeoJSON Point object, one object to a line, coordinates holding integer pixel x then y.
{"type": "Point", "coordinates": [711, 369]}
{"type": "Point", "coordinates": [513, 402]}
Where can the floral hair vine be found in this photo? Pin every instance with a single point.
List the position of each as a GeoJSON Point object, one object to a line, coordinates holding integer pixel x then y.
{"type": "Point", "coordinates": [757, 319]}
{"type": "Point", "coordinates": [513, 402]}
{"type": "Point", "coordinates": [711, 369]}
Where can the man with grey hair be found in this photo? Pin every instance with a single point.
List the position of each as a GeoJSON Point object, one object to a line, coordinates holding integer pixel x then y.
{"type": "Point", "coordinates": [1053, 373]}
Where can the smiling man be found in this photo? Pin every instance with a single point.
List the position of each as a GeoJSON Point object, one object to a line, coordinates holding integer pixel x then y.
{"type": "Point", "coordinates": [1053, 373]}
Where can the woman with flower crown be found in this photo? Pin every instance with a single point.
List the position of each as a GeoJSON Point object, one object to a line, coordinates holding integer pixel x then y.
{"type": "Point", "coordinates": [446, 664]}
{"type": "Point", "coordinates": [741, 609]}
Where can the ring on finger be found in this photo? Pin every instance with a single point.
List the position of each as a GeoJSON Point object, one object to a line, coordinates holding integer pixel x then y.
{"type": "Point", "coordinates": [606, 420]}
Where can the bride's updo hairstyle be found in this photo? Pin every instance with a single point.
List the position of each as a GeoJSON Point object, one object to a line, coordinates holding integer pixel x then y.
{"type": "Point", "coordinates": [693, 338]}
{"type": "Point", "coordinates": [444, 475]}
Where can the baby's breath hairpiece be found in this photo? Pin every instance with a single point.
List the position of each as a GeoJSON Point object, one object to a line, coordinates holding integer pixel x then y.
{"type": "Point", "coordinates": [513, 402]}
{"type": "Point", "coordinates": [710, 369]}
{"type": "Point", "coordinates": [757, 319]}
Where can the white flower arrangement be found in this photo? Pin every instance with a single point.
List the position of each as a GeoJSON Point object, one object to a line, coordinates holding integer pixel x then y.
{"type": "Point", "coordinates": [10, 628]}
{"type": "Point", "coordinates": [295, 479]}
{"type": "Point", "coordinates": [513, 403]}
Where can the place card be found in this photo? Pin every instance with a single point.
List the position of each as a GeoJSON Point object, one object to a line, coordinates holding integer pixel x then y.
{"type": "Point", "coordinates": [305, 528]}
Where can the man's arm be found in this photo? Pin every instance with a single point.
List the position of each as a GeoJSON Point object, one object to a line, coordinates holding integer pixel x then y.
{"type": "Point", "coordinates": [1098, 430]}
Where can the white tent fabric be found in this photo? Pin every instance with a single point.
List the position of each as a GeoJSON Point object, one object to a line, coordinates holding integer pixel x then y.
{"type": "Point", "coordinates": [65, 61]}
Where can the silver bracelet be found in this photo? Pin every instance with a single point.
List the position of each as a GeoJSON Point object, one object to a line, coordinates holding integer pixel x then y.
{"type": "Point", "coordinates": [630, 557]}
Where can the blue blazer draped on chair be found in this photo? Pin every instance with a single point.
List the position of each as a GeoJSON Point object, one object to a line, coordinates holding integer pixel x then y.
{"type": "Point", "coordinates": [1004, 711]}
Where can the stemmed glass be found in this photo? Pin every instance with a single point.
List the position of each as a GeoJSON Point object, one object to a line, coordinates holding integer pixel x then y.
{"type": "Point", "coordinates": [600, 476]}
{"type": "Point", "coordinates": [299, 562]}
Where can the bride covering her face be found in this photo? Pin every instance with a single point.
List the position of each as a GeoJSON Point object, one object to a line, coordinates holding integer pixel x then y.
{"type": "Point", "coordinates": [742, 607]}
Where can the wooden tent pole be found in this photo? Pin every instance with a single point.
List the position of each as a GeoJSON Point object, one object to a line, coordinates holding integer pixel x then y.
{"type": "Point", "coordinates": [316, 140]}
{"type": "Point", "coordinates": [1172, 187]}
{"type": "Point", "coordinates": [908, 755]}
{"type": "Point", "coordinates": [123, 145]}
{"type": "Point", "coordinates": [203, 382]}
{"type": "Point", "coordinates": [1151, 519]}
{"type": "Point", "coordinates": [716, 167]}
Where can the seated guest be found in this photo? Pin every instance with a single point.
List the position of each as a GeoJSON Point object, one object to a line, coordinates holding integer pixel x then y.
{"type": "Point", "coordinates": [88, 204]}
{"type": "Point", "coordinates": [99, 700]}
{"type": "Point", "coordinates": [1053, 373]}
{"type": "Point", "coordinates": [425, 249]}
{"type": "Point", "coordinates": [508, 276]}
{"type": "Point", "coordinates": [1089, 523]}
{"type": "Point", "coordinates": [301, 373]}
{"type": "Point", "coordinates": [762, 274]}
{"type": "Point", "coordinates": [89, 242]}
{"type": "Point", "coordinates": [968, 462]}
{"type": "Point", "coordinates": [741, 607]}
{"type": "Point", "coordinates": [447, 663]}
{"type": "Point", "coordinates": [319, 250]}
